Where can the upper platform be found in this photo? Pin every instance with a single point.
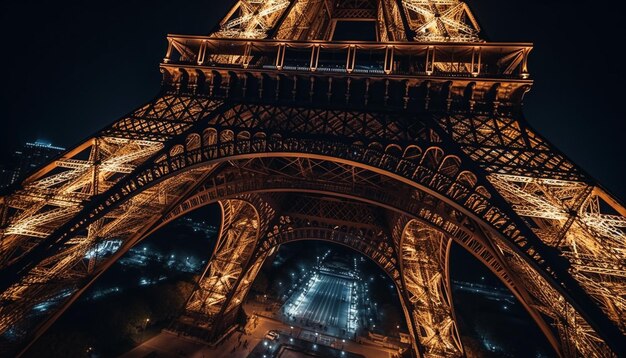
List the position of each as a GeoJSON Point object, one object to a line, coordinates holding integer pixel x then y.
{"type": "Point", "coordinates": [411, 43]}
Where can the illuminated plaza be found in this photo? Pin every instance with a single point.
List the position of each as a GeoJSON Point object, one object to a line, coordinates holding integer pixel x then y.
{"type": "Point", "coordinates": [327, 301]}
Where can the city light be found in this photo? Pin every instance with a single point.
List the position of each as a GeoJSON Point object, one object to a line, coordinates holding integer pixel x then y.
{"type": "Point", "coordinates": [104, 249]}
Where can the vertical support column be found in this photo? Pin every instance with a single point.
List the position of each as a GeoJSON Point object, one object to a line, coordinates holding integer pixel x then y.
{"type": "Point", "coordinates": [228, 275]}
{"type": "Point", "coordinates": [476, 61]}
{"type": "Point", "coordinates": [423, 253]}
{"type": "Point", "coordinates": [280, 56]}
{"type": "Point", "coordinates": [202, 53]}
{"type": "Point", "coordinates": [231, 310]}
{"type": "Point", "coordinates": [524, 68]}
{"type": "Point", "coordinates": [389, 54]}
{"type": "Point", "coordinates": [168, 54]}
{"type": "Point", "coordinates": [315, 56]}
{"type": "Point", "coordinates": [351, 58]}
{"type": "Point", "coordinates": [430, 60]}
{"type": "Point", "coordinates": [246, 55]}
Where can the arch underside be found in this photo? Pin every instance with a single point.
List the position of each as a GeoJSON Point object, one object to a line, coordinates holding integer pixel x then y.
{"type": "Point", "coordinates": [196, 151]}
{"type": "Point", "coordinates": [361, 227]}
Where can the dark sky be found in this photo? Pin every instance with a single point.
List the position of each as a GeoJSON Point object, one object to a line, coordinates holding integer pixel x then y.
{"type": "Point", "coordinates": [71, 68]}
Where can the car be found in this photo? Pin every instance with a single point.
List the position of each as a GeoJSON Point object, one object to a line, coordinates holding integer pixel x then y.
{"type": "Point", "coordinates": [271, 335]}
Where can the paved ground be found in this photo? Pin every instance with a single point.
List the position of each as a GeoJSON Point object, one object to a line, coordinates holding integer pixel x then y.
{"type": "Point", "coordinates": [290, 346]}
{"type": "Point", "coordinates": [317, 316]}
{"type": "Point", "coordinates": [168, 345]}
{"type": "Point", "coordinates": [326, 302]}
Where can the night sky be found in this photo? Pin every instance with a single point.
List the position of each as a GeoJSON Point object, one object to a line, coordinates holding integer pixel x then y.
{"type": "Point", "coordinates": [70, 69]}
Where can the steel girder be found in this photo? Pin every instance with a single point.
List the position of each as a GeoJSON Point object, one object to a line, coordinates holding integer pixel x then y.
{"type": "Point", "coordinates": [226, 135]}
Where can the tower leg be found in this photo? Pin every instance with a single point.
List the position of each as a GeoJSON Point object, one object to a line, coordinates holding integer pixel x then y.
{"type": "Point", "coordinates": [423, 252]}
{"type": "Point", "coordinates": [215, 302]}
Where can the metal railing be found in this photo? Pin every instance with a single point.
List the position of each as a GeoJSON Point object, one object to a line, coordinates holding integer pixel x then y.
{"type": "Point", "coordinates": [490, 60]}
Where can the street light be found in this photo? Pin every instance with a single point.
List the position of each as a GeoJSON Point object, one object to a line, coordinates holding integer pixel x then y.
{"type": "Point", "coordinates": [145, 325]}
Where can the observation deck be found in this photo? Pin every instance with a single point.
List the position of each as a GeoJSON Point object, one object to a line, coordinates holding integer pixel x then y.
{"type": "Point", "coordinates": [475, 74]}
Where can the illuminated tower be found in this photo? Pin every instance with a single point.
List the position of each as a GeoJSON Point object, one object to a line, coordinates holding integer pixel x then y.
{"type": "Point", "coordinates": [396, 147]}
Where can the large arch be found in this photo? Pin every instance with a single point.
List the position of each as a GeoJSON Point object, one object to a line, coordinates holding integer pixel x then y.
{"type": "Point", "coordinates": [475, 246]}
{"type": "Point", "coordinates": [288, 229]}
{"type": "Point", "coordinates": [451, 224]}
{"type": "Point", "coordinates": [309, 223]}
{"type": "Point", "coordinates": [192, 157]}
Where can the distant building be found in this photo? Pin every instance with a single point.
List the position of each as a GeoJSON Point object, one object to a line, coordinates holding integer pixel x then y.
{"type": "Point", "coordinates": [27, 159]}
{"type": "Point", "coordinates": [7, 175]}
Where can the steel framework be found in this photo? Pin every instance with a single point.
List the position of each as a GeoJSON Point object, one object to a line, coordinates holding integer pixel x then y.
{"type": "Point", "coordinates": [396, 148]}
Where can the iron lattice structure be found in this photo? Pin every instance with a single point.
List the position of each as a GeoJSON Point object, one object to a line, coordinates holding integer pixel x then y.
{"type": "Point", "coordinates": [396, 148]}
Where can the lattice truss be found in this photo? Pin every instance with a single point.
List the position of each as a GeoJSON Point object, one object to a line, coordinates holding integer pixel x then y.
{"type": "Point", "coordinates": [305, 20]}
{"type": "Point", "coordinates": [228, 275]}
{"type": "Point", "coordinates": [441, 20]}
{"type": "Point", "coordinates": [503, 144]}
{"type": "Point", "coordinates": [59, 191]}
{"type": "Point", "coordinates": [348, 223]}
{"type": "Point", "coordinates": [430, 20]}
{"type": "Point", "coordinates": [45, 202]}
{"type": "Point", "coordinates": [59, 275]}
{"type": "Point", "coordinates": [423, 256]}
{"type": "Point", "coordinates": [352, 124]}
{"type": "Point", "coordinates": [252, 19]}
{"type": "Point", "coordinates": [588, 230]}
{"type": "Point", "coordinates": [389, 17]}
{"type": "Point", "coordinates": [583, 222]}
{"type": "Point", "coordinates": [577, 338]}
{"type": "Point", "coordinates": [326, 174]}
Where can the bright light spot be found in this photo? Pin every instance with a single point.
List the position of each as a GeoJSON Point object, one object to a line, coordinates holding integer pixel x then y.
{"type": "Point", "coordinates": [104, 248]}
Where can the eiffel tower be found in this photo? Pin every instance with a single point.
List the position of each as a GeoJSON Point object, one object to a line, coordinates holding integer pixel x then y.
{"type": "Point", "coordinates": [396, 147]}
